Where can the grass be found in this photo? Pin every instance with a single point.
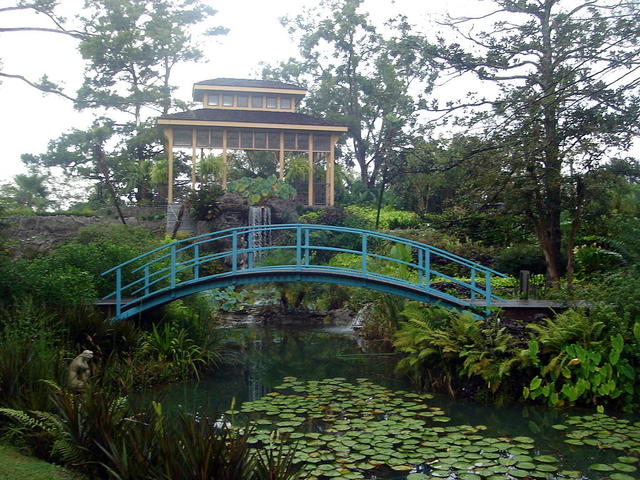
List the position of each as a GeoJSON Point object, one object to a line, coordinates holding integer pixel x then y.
{"type": "Point", "coordinates": [17, 466]}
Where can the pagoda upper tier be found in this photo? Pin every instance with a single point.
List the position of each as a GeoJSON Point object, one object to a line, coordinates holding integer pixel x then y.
{"type": "Point", "coordinates": [245, 94]}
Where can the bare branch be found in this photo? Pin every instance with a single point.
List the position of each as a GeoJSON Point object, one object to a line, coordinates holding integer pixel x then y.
{"type": "Point", "coordinates": [42, 88]}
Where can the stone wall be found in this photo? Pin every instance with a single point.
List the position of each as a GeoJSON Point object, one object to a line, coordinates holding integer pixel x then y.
{"type": "Point", "coordinates": [28, 235]}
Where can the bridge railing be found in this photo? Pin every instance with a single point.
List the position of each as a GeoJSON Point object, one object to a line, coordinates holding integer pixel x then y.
{"type": "Point", "coordinates": [299, 247]}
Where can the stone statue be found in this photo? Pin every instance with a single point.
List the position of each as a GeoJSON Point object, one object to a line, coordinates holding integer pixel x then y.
{"type": "Point", "coordinates": [79, 371]}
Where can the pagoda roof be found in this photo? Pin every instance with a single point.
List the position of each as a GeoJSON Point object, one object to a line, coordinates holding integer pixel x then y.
{"type": "Point", "coordinates": [250, 118]}
{"type": "Point", "coordinates": [245, 85]}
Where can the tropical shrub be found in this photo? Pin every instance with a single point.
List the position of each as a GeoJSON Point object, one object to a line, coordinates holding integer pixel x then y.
{"type": "Point", "coordinates": [99, 434]}
{"type": "Point", "coordinates": [205, 202]}
{"type": "Point", "coordinates": [29, 353]}
{"type": "Point", "coordinates": [443, 347]}
{"type": "Point", "coordinates": [521, 257]}
{"type": "Point", "coordinates": [365, 217]}
{"type": "Point", "coordinates": [584, 359]}
{"type": "Point", "coordinates": [258, 190]}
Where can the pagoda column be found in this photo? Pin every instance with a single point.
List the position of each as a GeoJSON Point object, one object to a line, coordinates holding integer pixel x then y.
{"type": "Point", "coordinates": [310, 186]}
{"type": "Point", "coordinates": [168, 133]}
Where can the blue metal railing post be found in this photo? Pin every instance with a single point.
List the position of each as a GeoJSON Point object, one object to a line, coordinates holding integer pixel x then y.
{"type": "Point", "coordinates": [146, 279]}
{"type": "Point", "coordinates": [365, 252]}
{"type": "Point", "coordinates": [420, 266]}
{"type": "Point", "coordinates": [234, 252]}
{"type": "Point", "coordinates": [118, 292]}
{"type": "Point", "coordinates": [427, 268]}
{"type": "Point", "coordinates": [487, 288]}
{"type": "Point", "coordinates": [172, 267]}
{"type": "Point", "coordinates": [251, 247]}
{"type": "Point", "coordinates": [298, 247]}
{"type": "Point", "coordinates": [473, 283]}
{"type": "Point", "coordinates": [306, 245]}
{"type": "Point", "coordinates": [196, 262]}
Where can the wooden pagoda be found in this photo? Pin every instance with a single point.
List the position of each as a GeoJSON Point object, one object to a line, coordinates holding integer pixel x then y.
{"type": "Point", "coordinates": [240, 114]}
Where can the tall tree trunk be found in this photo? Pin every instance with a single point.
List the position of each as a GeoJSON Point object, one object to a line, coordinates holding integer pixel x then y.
{"type": "Point", "coordinates": [551, 235]}
{"type": "Point", "coordinates": [575, 226]}
{"type": "Point", "coordinates": [98, 156]}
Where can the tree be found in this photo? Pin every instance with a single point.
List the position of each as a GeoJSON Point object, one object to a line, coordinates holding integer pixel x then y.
{"type": "Point", "coordinates": [566, 78]}
{"type": "Point", "coordinates": [54, 24]}
{"type": "Point", "coordinates": [358, 77]}
{"type": "Point", "coordinates": [131, 48]}
{"type": "Point", "coordinates": [27, 191]}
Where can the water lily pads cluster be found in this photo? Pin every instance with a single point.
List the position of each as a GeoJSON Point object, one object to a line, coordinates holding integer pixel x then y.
{"type": "Point", "coordinates": [606, 432]}
{"type": "Point", "coordinates": [340, 429]}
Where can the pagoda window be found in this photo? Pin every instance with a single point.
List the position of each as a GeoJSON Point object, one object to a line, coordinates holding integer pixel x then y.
{"type": "Point", "coordinates": [216, 138]}
{"type": "Point", "coordinates": [303, 141]}
{"type": "Point", "coordinates": [261, 140]}
{"type": "Point", "coordinates": [290, 141]}
{"type": "Point", "coordinates": [257, 101]}
{"type": "Point", "coordinates": [202, 138]}
{"type": "Point", "coordinates": [213, 99]}
{"type": "Point", "coordinates": [227, 100]}
{"type": "Point", "coordinates": [285, 103]}
{"type": "Point", "coordinates": [242, 101]}
{"type": "Point", "coordinates": [272, 102]}
{"type": "Point", "coordinates": [182, 137]}
{"type": "Point", "coordinates": [321, 143]}
{"type": "Point", "coordinates": [233, 139]}
{"type": "Point", "coordinates": [273, 140]}
{"type": "Point", "coordinates": [246, 139]}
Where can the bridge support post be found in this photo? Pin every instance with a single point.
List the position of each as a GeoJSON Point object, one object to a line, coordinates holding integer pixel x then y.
{"type": "Point", "coordinates": [306, 247]}
{"type": "Point", "coordinates": [250, 244]}
{"type": "Point", "coordinates": [427, 268]}
{"type": "Point", "coordinates": [146, 279]}
{"type": "Point", "coordinates": [118, 292]}
{"type": "Point", "coordinates": [234, 252]}
{"type": "Point", "coordinates": [487, 290]}
{"type": "Point", "coordinates": [365, 252]}
{"type": "Point", "coordinates": [172, 267]}
{"type": "Point", "coordinates": [196, 262]}
{"type": "Point", "coordinates": [298, 247]}
{"type": "Point", "coordinates": [473, 283]}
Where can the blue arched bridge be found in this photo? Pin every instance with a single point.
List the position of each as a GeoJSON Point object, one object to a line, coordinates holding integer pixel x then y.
{"type": "Point", "coordinates": [297, 253]}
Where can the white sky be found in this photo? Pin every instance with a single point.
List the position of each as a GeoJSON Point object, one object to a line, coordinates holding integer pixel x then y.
{"type": "Point", "coordinates": [30, 119]}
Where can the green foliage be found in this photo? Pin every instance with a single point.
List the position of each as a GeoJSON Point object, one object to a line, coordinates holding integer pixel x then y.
{"type": "Point", "coordinates": [227, 299]}
{"type": "Point", "coordinates": [28, 192]}
{"type": "Point", "coordinates": [596, 259]}
{"type": "Point", "coordinates": [173, 353]}
{"type": "Point", "coordinates": [99, 434]}
{"type": "Point", "coordinates": [205, 202]}
{"type": "Point", "coordinates": [441, 347]}
{"type": "Point", "coordinates": [583, 359]}
{"type": "Point", "coordinates": [258, 190]}
{"type": "Point", "coordinates": [521, 257]}
{"type": "Point", "coordinates": [72, 273]}
{"type": "Point", "coordinates": [365, 217]}
{"type": "Point", "coordinates": [29, 353]}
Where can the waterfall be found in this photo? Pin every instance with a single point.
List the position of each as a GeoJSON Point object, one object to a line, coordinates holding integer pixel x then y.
{"type": "Point", "coordinates": [362, 316]}
{"type": "Point", "coordinates": [260, 216]}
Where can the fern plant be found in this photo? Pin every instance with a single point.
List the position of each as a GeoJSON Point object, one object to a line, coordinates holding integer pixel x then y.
{"type": "Point", "coordinates": [442, 347]}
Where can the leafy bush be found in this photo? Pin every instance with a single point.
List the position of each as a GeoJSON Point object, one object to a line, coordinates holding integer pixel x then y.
{"type": "Point", "coordinates": [365, 217]}
{"type": "Point", "coordinates": [596, 259]}
{"type": "Point", "coordinates": [98, 433]}
{"type": "Point", "coordinates": [521, 257]}
{"type": "Point", "coordinates": [258, 190]}
{"type": "Point", "coordinates": [29, 353]}
{"type": "Point", "coordinates": [582, 359]}
{"type": "Point", "coordinates": [442, 347]}
{"type": "Point", "coordinates": [205, 202]}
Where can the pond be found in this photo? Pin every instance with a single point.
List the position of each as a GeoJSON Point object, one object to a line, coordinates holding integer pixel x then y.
{"type": "Point", "coordinates": [350, 416]}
